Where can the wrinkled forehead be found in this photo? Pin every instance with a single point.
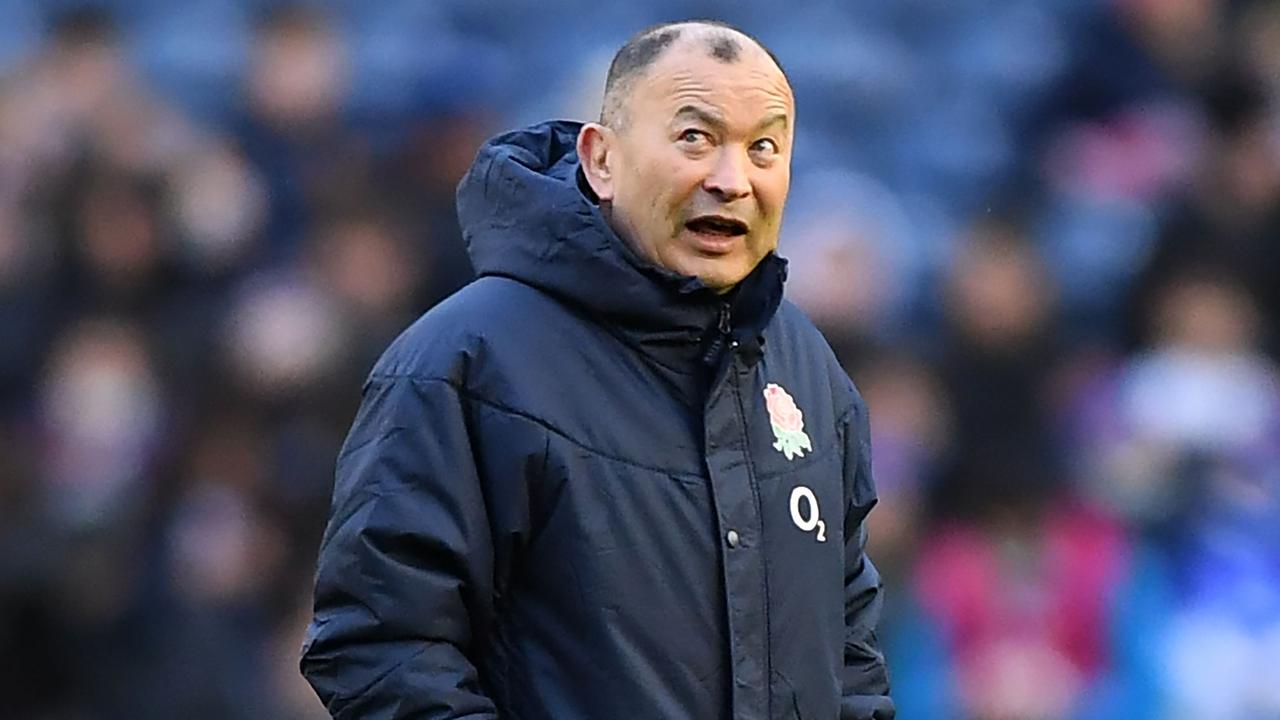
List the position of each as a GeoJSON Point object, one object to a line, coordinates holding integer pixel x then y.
{"type": "Point", "coordinates": [698, 70]}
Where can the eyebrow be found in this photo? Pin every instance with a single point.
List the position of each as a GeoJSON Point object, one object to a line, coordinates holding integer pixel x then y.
{"type": "Point", "coordinates": [706, 117]}
{"type": "Point", "coordinates": [717, 121]}
{"type": "Point", "coordinates": [774, 119]}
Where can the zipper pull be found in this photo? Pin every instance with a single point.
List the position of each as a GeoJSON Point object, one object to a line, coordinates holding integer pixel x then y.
{"type": "Point", "coordinates": [724, 329]}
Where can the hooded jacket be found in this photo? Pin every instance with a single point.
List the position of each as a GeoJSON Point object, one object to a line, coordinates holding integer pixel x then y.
{"type": "Point", "coordinates": [587, 488]}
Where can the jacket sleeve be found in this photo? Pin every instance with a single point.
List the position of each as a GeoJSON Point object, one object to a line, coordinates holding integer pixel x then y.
{"type": "Point", "coordinates": [405, 570]}
{"type": "Point", "coordinates": [866, 679]}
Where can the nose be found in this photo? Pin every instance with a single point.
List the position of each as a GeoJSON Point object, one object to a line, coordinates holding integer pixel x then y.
{"type": "Point", "coordinates": [728, 179]}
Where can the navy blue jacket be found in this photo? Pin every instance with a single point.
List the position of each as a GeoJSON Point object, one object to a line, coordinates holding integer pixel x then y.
{"type": "Point", "coordinates": [585, 487]}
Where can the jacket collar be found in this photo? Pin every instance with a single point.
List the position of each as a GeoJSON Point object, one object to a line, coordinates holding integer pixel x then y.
{"type": "Point", "coordinates": [525, 215]}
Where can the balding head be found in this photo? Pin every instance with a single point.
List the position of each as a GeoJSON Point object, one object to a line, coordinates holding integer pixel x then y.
{"type": "Point", "coordinates": [718, 40]}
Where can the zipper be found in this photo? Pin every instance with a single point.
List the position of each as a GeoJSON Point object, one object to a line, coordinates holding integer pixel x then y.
{"type": "Point", "coordinates": [724, 329]}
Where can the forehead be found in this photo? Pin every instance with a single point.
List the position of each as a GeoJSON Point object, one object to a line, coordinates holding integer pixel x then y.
{"type": "Point", "coordinates": [688, 73]}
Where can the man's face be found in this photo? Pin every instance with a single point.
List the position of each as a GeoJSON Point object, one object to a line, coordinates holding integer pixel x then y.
{"type": "Point", "coordinates": [702, 162]}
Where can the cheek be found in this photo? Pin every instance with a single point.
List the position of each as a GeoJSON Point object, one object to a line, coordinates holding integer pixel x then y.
{"type": "Point", "coordinates": [671, 186]}
{"type": "Point", "coordinates": [646, 178]}
{"type": "Point", "coordinates": [680, 175]}
{"type": "Point", "coordinates": [773, 194]}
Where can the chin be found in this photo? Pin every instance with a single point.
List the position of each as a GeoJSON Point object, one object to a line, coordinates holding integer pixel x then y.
{"type": "Point", "coordinates": [718, 272]}
{"type": "Point", "coordinates": [721, 278]}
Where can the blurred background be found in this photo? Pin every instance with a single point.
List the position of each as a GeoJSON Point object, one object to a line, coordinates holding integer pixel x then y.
{"type": "Point", "coordinates": [1043, 236]}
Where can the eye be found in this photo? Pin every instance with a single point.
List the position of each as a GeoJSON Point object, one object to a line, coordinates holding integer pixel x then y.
{"type": "Point", "coordinates": [765, 146]}
{"type": "Point", "coordinates": [692, 136]}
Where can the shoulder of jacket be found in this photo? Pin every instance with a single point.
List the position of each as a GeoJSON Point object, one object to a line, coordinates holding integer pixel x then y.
{"type": "Point", "coordinates": [795, 322]}
{"type": "Point", "coordinates": [792, 327]}
{"type": "Point", "coordinates": [445, 340]}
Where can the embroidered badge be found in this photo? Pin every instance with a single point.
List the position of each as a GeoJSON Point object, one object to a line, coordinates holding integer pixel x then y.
{"type": "Point", "coordinates": [787, 422]}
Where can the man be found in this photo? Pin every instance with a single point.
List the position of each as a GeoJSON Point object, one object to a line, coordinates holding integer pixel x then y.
{"type": "Point", "coordinates": [616, 477]}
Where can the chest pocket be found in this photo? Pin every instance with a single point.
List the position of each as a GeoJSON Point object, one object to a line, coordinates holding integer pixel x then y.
{"type": "Point", "coordinates": [802, 510]}
{"type": "Point", "coordinates": [798, 458]}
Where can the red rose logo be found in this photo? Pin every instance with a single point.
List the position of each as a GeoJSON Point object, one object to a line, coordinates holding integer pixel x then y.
{"type": "Point", "coordinates": [782, 409]}
{"type": "Point", "coordinates": [787, 422]}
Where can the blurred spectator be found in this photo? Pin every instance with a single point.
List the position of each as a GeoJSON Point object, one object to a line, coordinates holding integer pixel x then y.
{"type": "Point", "coordinates": [1229, 216]}
{"type": "Point", "coordinates": [438, 151]}
{"type": "Point", "coordinates": [283, 335]}
{"type": "Point", "coordinates": [118, 256]}
{"type": "Point", "coordinates": [102, 438]}
{"type": "Point", "coordinates": [1203, 390]}
{"type": "Point", "coordinates": [851, 265]}
{"type": "Point", "coordinates": [911, 438]}
{"type": "Point", "coordinates": [218, 205]}
{"type": "Point", "coordinates": [1183, 440]}
{"type": "Point", "coordinates": [102, 414]}
{"type": "Point", "coordinates": [997, 358]}
{"type": "Point", "coordinates": [292, 128]}
{"type": "Point", "coordinates": [1022, 597]}
{"type": "Point", "coordinates": [372, 275]}
{"type": "Point", "coordinates": [80, 94]}
{"type": "Point", "coordinates": [297, 81]}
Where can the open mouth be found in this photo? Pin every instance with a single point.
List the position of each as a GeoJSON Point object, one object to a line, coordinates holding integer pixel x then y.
{"type": "Point", "coordinates": [717, 225]}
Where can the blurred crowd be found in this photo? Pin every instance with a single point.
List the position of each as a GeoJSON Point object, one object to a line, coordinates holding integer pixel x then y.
{"type": "Point", "coordinates": [1042, 235]}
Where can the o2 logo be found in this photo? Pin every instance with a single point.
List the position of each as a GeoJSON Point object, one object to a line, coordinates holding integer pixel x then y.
{"type": "Point", "coordinates": [804, 512]}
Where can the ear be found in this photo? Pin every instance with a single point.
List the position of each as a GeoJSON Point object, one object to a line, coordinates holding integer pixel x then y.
{"type": "Point", "coordinates": [596, 147]}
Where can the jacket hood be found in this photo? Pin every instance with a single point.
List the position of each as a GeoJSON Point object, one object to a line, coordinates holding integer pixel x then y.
{"type": "Point", "coordinates": [526, 213]}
